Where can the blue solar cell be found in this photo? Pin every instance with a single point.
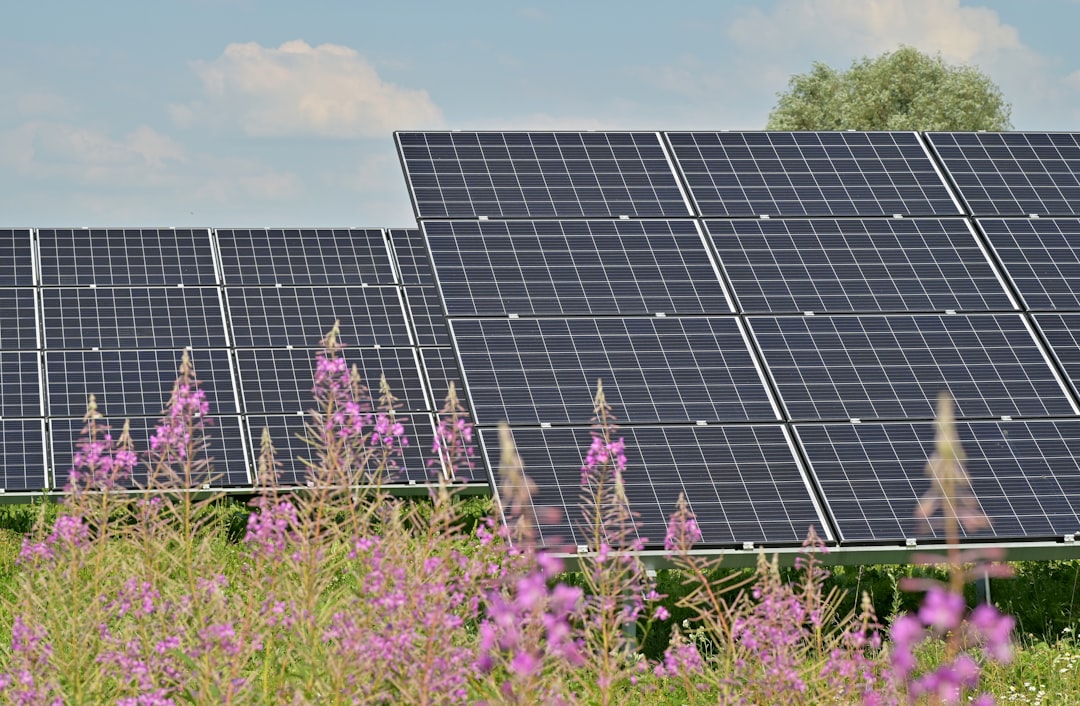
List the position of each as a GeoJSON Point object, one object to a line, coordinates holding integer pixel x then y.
{"type": "Point", "coordinates": [316, 256]}
{"type": "Point", "coordinates": [741, 481]}
{"type": "Point", "coordinates": [22, 455]}
{"type": "Point", "coordinates": [411, 257]}
{"type": "Point", "coordinates": [539, 175]}
{"type": "Point", "coordinates": [571, 267]}
{"type": "Point", "coordinates": [440, 368]}
{"type": "Point", "coordinates": [857, 265]}
{"type": "Point", "coordinates": [16, 252]}
{"type": "Point", "coordinates": [229, 466]}
{"type": "Point", "coordinates": [810, 174]}
{"type": "Point", "coordinates": [138, 317]}
{"type": "Point", "coordinates": [18, 319]}
{"type": "Point", "coordinates": [20, 384]}
{"type": "Point", "coordinates": [1041, 257]}
{"type": "Point", "coordinates": [895, 366]}
{"type": "Point", "coordinates": [1025, 475]}
{"type": "Point", "coordinates": [264, 317]}
{"type": "Point", "coordinates": [427, 317]}
{"type": "Point", "coordinates": [653, 369]}
{"type": "Point", "coordinates": [131, 257]}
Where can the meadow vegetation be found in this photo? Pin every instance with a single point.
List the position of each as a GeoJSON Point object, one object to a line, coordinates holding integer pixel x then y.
{"type": "Point", "coordinates": [339, 593]}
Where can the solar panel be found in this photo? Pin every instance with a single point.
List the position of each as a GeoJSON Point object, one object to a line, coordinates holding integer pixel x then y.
{"type": "Point", "coordinates": [20, 384]}
{"type": "Point", "coordinates": [574, 267]}
{"type": "Point", "coordinates": [280, 380]}
{"type": "Point", "coordinates": [440, 367]}
{"type": "Point", "coordinates": [894, 367]}
{"type": "Point", "coordinates": [1062, 332]}
{"type": "Point", "coordinates": [863, 265]}
{"type": "Point", "coordinates": [540, 175]}
{"type": "Point", "coordinates": [741, 481]}
{"type": "Point", "coordinates": [411, 256]}
{"type": "Point", "coordinates": [810, 174]}
{"type": "Point", "coordinates": [301, 316]}
{"type": "Point", "coordinates": [1041, 256]}
{"type": "Point", "coordinates": [131, 257]}
{"type": "Point", "coordinates": [22, 455]}
{"type": "Point", "coordinates": [304, 256]}
{"type": "Point", "coordinates": [139, 317]}
{"type": "Point", "coordinates": [132, 383]}
{"type": "Point", "coordinates": [18, 319]}
{"type": "Point", "coordinates": [654, 369]}
{"type": "Point", "coordinates": [229, 462]}
{"type": "Point", "coordinates": [1013, 173]}
{"type": "Point", "coordinates": [287, 432]}
{"type": "Point", "coordinates": [426, 313]}
{"type": "Point", "coordinates": [1025, 475]}
{"type": "Point", "coordinates": [16, 249]}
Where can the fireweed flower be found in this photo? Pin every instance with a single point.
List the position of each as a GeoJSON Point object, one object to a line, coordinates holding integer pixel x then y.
{"type": "Point", "coordinates": [100, 463]}
{"type": "Point", "coordinates": [181, 432]}
{"type": "Point", "coordinates": [683, 531]}
{"type": "Point", "coordinates": [453, 447]}
{"type": "Point", "coordinates": [27, 679]}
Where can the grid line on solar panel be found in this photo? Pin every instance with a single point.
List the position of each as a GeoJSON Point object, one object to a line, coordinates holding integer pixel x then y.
{"type": "Point", "coordinates": [1041, 257]}
{"type": "Point", "coordinates": [1062, 333]}
{"type": "Point", "coordinates": [858, 265]}
{"type": "Point", "coordinates": [137, 317]}
{"type": "Point", "coordinates": [16, 252]}
{"type": "Point", "coordinates": [302, 316]}
{"type": "Point", "coordinates": [304, 256]}
{"type": "Point", "coordinates": [22, 455]}
{"type": "Point", "coordinates": [133, 257]}
{"type": "Point", "coordinates": [411, 256]}
{"type": "Point", "coordinates": [227, 450]}
{"type": "Point", "coordinates": [427, 317]}
{"type": "Point", "coordinates": [574, 267]}
{"type": "Point", "coordinates": [1025, 475]}
{"type": "Point", "coordinates": [654, 369]}
{"type": "Point", "coordinates": [894, 366]}
{"type": "Point", "coordinates": [278, 380]}
{"type": "Point", "coordinates": [18, 319]}
{"type": "Point", "coordinates": [20, 384]}
{"type": "Point", "coordinates": [810, 174]}
{"type": "Point", "coordinates": [742, 482]}
{"type": "Point", "coordinates": [287, 432]}
{"type": "Point", "coordinates": [1013, 173]}
{"type": "Point", "coordinates": [440, 368]}
{"type": "Point", "coordinates": [132, 383]}
{"type": "Point", "coordinates": [540, 175]}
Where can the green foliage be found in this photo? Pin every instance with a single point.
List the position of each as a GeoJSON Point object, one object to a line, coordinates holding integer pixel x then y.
{"type": "Point", "coordinates": [900, 90]}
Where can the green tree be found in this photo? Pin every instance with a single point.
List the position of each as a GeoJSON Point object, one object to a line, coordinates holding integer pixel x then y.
{"type": "Point", "coordinates": [900, 90]}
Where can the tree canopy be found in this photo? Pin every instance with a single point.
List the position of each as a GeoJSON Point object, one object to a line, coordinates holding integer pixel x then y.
{"type": "Point", "coordinates": [899, 90]}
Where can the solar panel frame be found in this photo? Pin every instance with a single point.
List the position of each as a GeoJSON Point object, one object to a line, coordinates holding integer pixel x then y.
{"type": "Point", "coordinates": [303, 256]}
{"type": "Point", "coordinates": [540, 175]}
{"type": "Point", "coordinates": [574, 267]}
{"type": "Point", "coordinates": [1025, 475]}
{"type": "Point", "coordinates": [22, 455]}
{"type": "Point", "coordinates": [133, 317]}
{"type": "Point", "coordinates": [1041, 257]}
{"type": "Point", "coordinates": [133, 383]}
{"type": "Point", "coordinates": [228, 450]}
{"type": "Point", "coordinates": [740, 174]}
{"type": "Point", "coordinates": [544, 370]}
{"type": "Point", "coordinates": [264, 317]}
{"type": "Point", "coordinates": [857, 265]}
{"type": "Point", "coordinates": [1013, 173]}
{"type": "Point", "coordinates": [743, 482]}
{"type": "Point", "coordinates": [17, 248]}
{"type": "Point", "coordinates": [126, 257]}
{"type": "Point", "coordinates": [295, 370]}
{"type": "Point", "coordinates": [894, 366]}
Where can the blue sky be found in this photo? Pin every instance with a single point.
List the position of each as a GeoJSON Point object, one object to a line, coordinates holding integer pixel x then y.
{"type": "Point", "coordinates": [275, 113]}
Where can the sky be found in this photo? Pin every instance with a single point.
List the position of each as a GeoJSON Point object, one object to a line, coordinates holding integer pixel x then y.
{"type": "Point", "coordinates": [252, 113]}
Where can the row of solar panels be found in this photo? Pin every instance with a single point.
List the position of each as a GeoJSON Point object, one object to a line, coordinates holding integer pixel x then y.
{"type": "Point", "coordinates": [772, 315]}
{"type": "Point", "coordinates": [739, 174]}
{"type": "Point", "coordinates": [107, 312]}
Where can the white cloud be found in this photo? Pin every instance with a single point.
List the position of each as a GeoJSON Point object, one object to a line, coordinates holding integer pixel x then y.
{"type": "Point", "coordinates": [296, 89]}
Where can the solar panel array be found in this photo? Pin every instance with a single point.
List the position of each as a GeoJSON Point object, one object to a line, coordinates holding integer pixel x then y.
{"type": "Point", "coordinates": [108, 313]}
{"type": "Point", "coordinates": [772, 315]}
